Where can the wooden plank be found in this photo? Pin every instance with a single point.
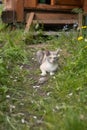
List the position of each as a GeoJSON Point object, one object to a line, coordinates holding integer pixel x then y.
{"type": "Point", "coordinates": [55, 16]}
{"type": "Point", "coordinates": [30, 3]}
{"type": "Point", "coordinates": [9, 11]}
{"type": "Point", "coordinates": [56, 7]}
{"type": "Point", "coordinates": [20, 10]}
{"type": "Point", "coordinates": [9, 4]}
{"type": "Point", "coordinates": [85, 6]}
{"type": "Point", "coordinates": [68, 2]}
{"type": "Point", "coordinates": [52, 2]}
{"type": "Point", "coordinates": [29, 22]}
{"type": "Point", "coordinates": [15, 6]}
{"type": "Point", "coordinates": [70, 21]}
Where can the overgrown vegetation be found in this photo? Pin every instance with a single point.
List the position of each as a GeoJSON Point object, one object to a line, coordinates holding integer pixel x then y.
{"type": "Point", "coordinates": [59, 103]}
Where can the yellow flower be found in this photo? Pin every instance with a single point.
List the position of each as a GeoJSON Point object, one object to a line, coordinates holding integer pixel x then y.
{"type": "Point", "coordinates": [85, 47]}
{"type": "Point", "coordinates": [83, 27]}
{"type": "Point", "coordinates": [80, 38]}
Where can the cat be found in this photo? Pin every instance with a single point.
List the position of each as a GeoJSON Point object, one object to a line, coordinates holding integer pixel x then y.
{"type": "Point", "coordinates": [48, 61]}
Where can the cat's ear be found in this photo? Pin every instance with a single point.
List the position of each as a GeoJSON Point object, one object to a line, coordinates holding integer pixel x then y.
{"type": "Point", "coordinates": [58, 50]}
{"type": "Point", "coordinates": [47, 53]}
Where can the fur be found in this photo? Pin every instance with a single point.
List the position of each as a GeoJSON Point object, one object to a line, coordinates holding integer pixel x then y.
{"type": "Point", "coordinates": [48, 61]}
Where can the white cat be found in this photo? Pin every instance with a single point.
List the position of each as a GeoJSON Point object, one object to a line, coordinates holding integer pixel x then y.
{"type": "Point", "coordinates": [48, 61]}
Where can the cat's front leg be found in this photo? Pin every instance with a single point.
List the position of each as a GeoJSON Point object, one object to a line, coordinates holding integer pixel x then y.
{"type": "Point", "coordinates": [43, 73]}
{"type": "Point", "coordinates": [51, 73]}
{"type": "Point", "coordinates": [43, 70]}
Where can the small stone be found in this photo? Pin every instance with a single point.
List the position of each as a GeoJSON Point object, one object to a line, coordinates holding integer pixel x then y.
{"type": "Point", "coordinates": [85, 39]}
{"type": "Point", "coordinates": [23, 121]}
{"type": "Point", "coordinates": [42, 80]}
{"type": "Point", "coordinates": [7, 96]}
{"type": "Point", "coordinates": [37, 86]}
{"type": "Point", "coordinates": [34, 117]}
{"type": "Point", "coordinates": [70, 94]}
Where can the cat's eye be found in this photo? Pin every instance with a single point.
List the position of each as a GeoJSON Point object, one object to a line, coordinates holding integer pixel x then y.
{"type": "Point", "coordinates": [55, 58]}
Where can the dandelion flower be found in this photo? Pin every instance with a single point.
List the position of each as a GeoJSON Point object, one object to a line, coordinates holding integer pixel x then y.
{"type": "Point", "coordinates": [83, 27]}
{"type": "Point", "coordinates": [80, 38]}
{"type": "Point", "coordinates": [85, 47]}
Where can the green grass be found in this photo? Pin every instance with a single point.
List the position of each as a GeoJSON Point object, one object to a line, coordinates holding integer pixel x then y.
{"type": "Point", "coordinates": [58, 104]}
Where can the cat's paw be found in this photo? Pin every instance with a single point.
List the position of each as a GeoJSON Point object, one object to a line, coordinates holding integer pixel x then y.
{"type": "Point", "coordinates": [43, 74]}
{"type": "Point", "coordinates": [51, 73]}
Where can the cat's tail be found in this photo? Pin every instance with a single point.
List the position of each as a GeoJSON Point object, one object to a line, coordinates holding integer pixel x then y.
{"type": "Point", "coordinates": [40, 56]}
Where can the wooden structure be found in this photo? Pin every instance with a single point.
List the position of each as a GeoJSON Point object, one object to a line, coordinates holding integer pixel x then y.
{"type": "Point", "coordinates": [44, 11]}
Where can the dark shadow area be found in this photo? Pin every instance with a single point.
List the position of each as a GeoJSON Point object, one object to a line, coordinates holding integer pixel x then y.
{"type": "Point", "coordinates": [44, 1]}
{"type": "Point", "coordinates": [59, 27]}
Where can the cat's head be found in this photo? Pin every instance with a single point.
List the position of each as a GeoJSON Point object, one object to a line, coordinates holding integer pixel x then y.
{"type": "Point", "coordinates": [52, 56]}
